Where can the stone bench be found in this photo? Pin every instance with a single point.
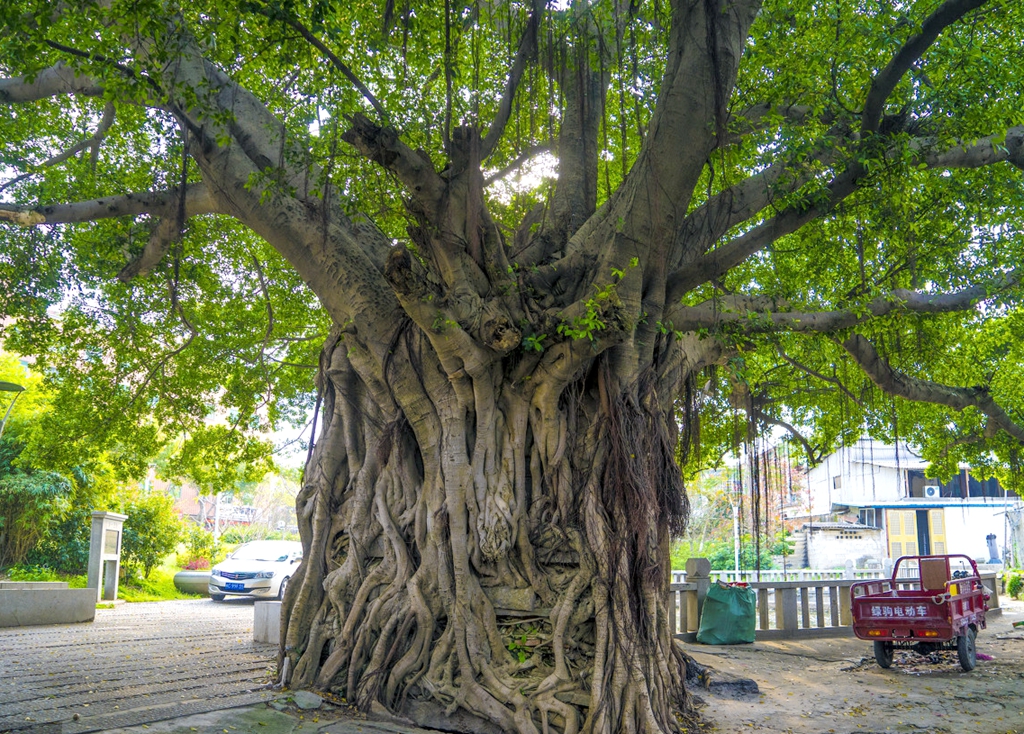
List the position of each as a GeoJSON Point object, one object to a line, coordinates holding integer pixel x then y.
{"type": "Point", "coordinates": [24, 607]}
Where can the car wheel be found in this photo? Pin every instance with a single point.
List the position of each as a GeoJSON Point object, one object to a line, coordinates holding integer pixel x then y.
{"type": "Point", "coordinates": [883, 653]}
{"type": "Point", "coordinates": [966, 650]}
{"type": "Point", "coordinates": [217, 597]}
{"type": "Point", "coordinates": [284, 587]}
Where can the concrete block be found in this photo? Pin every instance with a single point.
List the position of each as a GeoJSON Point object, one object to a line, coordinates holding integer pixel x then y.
{"type": "Point", "coordinates": [25, 585]}
{"type": "Point", "coordinates": [697, 568]}
{"type": "Point", "coordinates": [27, 607]}
{"type": "Point", "coordinates": [266, 624]}
{"type": "Point", "coordinates": [193, 582]}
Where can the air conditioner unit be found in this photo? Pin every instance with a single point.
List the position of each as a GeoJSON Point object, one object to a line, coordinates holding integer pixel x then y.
{"type": "Point", "coordinates": [931, 491]}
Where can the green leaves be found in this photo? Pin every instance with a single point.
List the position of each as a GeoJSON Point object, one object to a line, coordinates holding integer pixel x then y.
{"type": "Point", "coordinates": [215, 349]}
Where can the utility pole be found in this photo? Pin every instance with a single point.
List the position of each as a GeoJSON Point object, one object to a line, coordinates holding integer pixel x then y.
{"type": "Point", "coordinates": [216, 516]}
{"type": "Point", "coordinates": [736, 539]}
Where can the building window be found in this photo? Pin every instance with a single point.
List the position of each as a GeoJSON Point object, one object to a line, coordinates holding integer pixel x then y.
{"type": "Point", "coordinates": [868, 517]}
{"type": "Point", "coordinates": [930, 488]}
{"type": "Point", "coordinates": [837, 482]}
{"type": "Point", "coordinates": [987, 488]}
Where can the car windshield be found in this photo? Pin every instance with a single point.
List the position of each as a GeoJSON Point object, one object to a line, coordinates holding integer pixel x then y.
{"type": "Point", "coordinates": [262, 552]}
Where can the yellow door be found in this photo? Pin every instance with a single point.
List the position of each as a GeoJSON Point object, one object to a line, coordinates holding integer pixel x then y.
{"type": "Point", "coordinates": [902, 525]}
{"type": "Point", "coordinates": [937, 525]}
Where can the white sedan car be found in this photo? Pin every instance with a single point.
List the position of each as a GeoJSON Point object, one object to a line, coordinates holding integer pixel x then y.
{"type": "Point", "coordinates": [260, 568]}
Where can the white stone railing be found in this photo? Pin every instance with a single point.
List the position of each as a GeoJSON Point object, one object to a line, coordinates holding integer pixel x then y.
{"type": "Point", "coordinates": [786, 609]}
{"type": "Point", "coordinates": [793, 574]}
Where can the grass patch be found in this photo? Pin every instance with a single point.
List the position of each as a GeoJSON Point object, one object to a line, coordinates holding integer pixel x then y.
{"type": "Point", "coordinates": [105, 605]}
{"type": "Point", "coordinates": [41, 573]}
{"type": "Point", "coordinates": [158, 587]}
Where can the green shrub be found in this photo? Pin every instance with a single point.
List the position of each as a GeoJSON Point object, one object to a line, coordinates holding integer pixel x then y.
{"type": "Point", "coordinates": [722, 556]}
{"type": "Point", "coordinates": [64, 546]}
{"type": "Point", "coordinates": [26, 572]}
{"type": "Point", "coordinates": [28, 499]}
{"type": "Point", "coordinates": [1015, 585]}
{"type": "Point", "coordinates": [151, 531]}
{"type": "Point", "coordinates": [242, 534]}
{"type": "Point", "coordinates": [285, 535]}
{"type": "Point", "coordinates": [200, 545]}
{"type": "Point", "coordinates": [32, 573]}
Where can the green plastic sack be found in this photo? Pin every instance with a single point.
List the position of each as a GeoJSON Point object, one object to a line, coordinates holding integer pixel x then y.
{"type": "Point", "coordinates": [729, 615]}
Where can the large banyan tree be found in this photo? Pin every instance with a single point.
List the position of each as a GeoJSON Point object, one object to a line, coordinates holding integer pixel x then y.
{"type": "Point", "coordinates": [525, 246]}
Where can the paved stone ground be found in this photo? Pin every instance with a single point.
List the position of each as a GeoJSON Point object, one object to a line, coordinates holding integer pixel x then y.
{"type": "Point", "coordinates": [137, 663]}
{"type": "Point", "coordinates": [191, 666]}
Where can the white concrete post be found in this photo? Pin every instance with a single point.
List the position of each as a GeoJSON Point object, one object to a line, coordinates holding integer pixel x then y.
{"type": "Point", "coordinates": [105, 554]}
{"type": "Point", "coordinates": [698, 571]}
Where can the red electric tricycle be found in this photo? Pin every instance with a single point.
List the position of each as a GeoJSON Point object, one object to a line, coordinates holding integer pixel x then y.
{"type": "Point", "coordinates": [930, 603]}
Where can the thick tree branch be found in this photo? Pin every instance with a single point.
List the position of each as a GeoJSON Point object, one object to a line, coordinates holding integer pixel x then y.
{"type": "Point", "coordinates": [91, 56]}
{"type": "Point", "coordinates": [53, 81]}
{"type": "Point", "coordinates": [166, 232]}
{"type": "Point", "coordinates": [722, 259]}
{"type": "Point", "coordinates": [731, 254]}
{"type": "Point", "coordinates": [738, 203]}
{"type": "Point", "coordinates": [757, 117]}
{"type": "Point", "coordinates": [987, 151]}
{"type": "Point", "coordinates": [755, 315]}
{"type": "Point", "coordinates": [575, 197]}
{"type": "Point", "coordinates": [527, 51]}
{"type": "Point", "coordinates": [413, 167]}
{"type": "Point", "coordinates": [198, 200]}
{"type": "Point", "coordinates": [896, 383]}
{"type": "Point", "coordinates": [1008, 147]}
{"type": "Point", "coordinates": [689, 121]}
{"type": "Point", "coordinates": [886, 80]}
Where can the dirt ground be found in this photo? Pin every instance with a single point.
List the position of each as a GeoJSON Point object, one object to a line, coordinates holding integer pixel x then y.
{"type": "Point", "coordinates": [835, 687]}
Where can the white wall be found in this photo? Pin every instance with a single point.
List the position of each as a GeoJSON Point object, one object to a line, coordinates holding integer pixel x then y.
{"type": "Point", "coordinates": [869, 485]}
{"type": "Point", "coordinates": [967, 524]}
{"type": "Point", "coordinates": [863, 484]}
{"type": "Point", "coordinates": [828, 548]}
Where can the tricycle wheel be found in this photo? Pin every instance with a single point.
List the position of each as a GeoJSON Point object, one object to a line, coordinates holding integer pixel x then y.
{"type": "Point", "coordinates": [883, 653]}
{"type": "Point", "coordinates": [965, 649]}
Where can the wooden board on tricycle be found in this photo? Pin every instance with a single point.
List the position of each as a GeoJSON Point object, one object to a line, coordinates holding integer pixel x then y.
{"type": "Point", "coordinates": [930, 603]}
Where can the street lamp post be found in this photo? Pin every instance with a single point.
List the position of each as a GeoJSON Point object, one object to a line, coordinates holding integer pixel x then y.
{"type": "Point", "coordinates": [17, 390]}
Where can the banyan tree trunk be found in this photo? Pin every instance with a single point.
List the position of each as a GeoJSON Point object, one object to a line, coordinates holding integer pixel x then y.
{"type": "Point", "coordinates": [504, 552]}
{"type": "Point", "coordinates": [487, 512]}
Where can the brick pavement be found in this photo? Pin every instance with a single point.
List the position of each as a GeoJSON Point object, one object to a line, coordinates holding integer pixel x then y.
{"type": "Point", "coordinates": [137, 663]}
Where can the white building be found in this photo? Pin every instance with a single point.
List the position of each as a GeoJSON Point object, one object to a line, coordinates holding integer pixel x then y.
{"type": "Point", "coordinates": [884, 487]}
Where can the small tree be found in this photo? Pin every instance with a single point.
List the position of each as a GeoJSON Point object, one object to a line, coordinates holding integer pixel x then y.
{"type": "Point", "coordinates": [151, 531]}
